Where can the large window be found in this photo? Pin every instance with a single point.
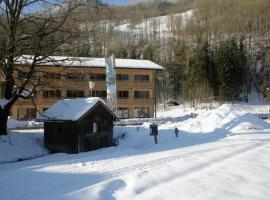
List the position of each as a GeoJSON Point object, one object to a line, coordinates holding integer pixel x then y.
{"type": "Point", "coordinates": [122, 77]}
{"type": "Point", "coordinates": [22, 74]}
{"type": "Point", "coordinates": [141, 77]}
{"type": "Point", "coordinates": [122, 113]}
{"type": "Point", "coordinates": [26, 113]}
{"type": "Point", "coordinates": [51, 93]}
{"type": "Point", "coordinates": [122, 94]}
{"type": "Point", "coordinates": [75, 76]}
{"type": "Point", "coordinates": [97, 77]}
{"type": "Point", "coordinates": [99, 93]}
{"type": "Point", "coordinates": [49, 75]}
{"type": "Point", "coordinates": [141, 112]}
{"type": "Point", "coordinates": [75, 93]}
{"type": "Point", "coordinates": [141, 94]}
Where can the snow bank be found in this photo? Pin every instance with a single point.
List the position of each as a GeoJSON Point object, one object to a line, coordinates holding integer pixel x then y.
{"type": "Point", "coordinates": [194, 128]}
{"type": "Point", "coordinates": [13, 123]}
{"type": "Point", "coordinates": [21, 145]}
{"type": "Point", "coordinates": [227, 117]}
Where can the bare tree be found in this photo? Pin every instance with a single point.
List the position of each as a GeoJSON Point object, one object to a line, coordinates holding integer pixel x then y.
{"type": "Point", "coordinates": [35, 27]}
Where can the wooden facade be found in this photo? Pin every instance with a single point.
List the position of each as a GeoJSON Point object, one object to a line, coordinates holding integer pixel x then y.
{"type": "Point", "coordinates": [136, 96]}
{"type": "Point", "coordinates": [92, 131]}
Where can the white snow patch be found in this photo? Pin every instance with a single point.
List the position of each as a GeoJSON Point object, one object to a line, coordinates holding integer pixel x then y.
{"type": "Point", "coordinates": [163, 25]}
{"type": "Point", "coordinates": [3, 103]}
{"type": "Point", "coordinates": [21, 145]}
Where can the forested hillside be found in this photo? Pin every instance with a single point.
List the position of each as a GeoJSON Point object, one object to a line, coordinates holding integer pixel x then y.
{"type": "Point", "coordinates": [211, 49]}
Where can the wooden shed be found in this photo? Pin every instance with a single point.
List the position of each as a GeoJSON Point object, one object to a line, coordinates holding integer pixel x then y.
{"type": "Point", "coordinates": [78, 125]}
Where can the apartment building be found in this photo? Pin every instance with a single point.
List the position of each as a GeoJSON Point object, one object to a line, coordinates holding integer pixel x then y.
{"type": "Point", "coordinates": [66, 78]}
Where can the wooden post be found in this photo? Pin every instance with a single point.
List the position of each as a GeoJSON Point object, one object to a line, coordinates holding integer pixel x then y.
{"type": "Point", "coordinates": [155, 137]}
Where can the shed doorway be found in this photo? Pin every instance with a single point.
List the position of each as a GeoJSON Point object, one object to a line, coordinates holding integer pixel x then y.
{"type": "Point", "coordinates": [96, 142]}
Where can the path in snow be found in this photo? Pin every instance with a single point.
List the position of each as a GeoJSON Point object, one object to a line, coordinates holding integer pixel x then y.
{"type": "Point", "coordinates": [141, 176]}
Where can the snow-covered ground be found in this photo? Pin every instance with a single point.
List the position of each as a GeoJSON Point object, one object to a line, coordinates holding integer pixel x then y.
{"type": "Point", "coordinates": [21, 145]}
{"type": "Point", "coordinates": [223, 153]}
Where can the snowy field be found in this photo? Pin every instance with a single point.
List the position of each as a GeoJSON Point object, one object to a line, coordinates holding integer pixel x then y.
{"type": "Point", "coordinates": [221, 153]}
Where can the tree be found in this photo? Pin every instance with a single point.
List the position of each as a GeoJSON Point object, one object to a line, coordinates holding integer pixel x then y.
{"type": "Point", "coordinates": [36, 27]}
{"type": "Point", "coordinates": [230, 60]}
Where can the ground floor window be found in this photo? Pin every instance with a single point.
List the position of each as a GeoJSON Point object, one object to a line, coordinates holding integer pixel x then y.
{"type": "Point", "coordinates": [26, 113]}
{"type": "Point", "coordinates": [122, 113]}
{"type": "Point", "coordinates": [141, 112]}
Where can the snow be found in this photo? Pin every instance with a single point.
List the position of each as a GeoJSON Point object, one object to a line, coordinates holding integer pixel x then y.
{"type": "Point", "coordinates": [69, 109]}
{"type": "Point", "coordinates": [17, 124]}
{"type": "Point", "coordinates": [163, 25]}
{"type": "Point", "coordinates": [221, 152]}
{"type": "Point", "coordinates": [3, 103]}
{"type": "Point", "coordinates": [89, 62]}
{"type": "Point", "coordinates": [21, 145]}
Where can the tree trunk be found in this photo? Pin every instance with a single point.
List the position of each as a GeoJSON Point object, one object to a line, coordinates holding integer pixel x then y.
{"type": "Point", "coordinates": [3, 122]}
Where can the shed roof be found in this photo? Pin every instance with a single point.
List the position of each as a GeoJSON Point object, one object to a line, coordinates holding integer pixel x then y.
{"type": "Point", "coordinates": [72, 109]}
{"type": "Point", "coordinates": [89, 62]}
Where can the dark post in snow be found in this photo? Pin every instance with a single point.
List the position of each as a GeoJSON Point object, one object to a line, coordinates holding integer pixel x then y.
{"type": "Point", "coordinates": [154, 131]}
{"type": "Point", "coordinates": [176, 131]}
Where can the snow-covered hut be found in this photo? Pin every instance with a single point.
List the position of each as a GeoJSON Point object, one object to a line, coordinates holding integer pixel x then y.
{"type": "Point", "coordinates": [78, 125]}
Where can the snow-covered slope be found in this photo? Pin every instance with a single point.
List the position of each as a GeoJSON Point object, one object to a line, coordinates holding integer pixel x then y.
{"type": "Point", "coordinates": [222, 153]}
{"type": "Point", "coordinates": [163, 26]}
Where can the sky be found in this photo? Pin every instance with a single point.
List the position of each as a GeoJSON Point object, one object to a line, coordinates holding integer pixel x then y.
{"type": "Point", "coordinates": [117, 2]}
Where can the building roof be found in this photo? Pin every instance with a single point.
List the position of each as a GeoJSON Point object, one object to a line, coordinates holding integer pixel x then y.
{"type": "Point", "coordinates": [89, 62]}
{"type": "Point", "coordinates": [72, 109]}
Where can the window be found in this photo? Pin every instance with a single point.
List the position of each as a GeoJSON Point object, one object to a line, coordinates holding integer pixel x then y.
{"type": "Point", "coordinates": [97, 77]}
{"type": "Point", "coordinates": [122, 77]}
{"type": "Point", "coordinates": [75, 76]}
{"type": "Point", "coordinates": [26, 113]}
{"type": "Point", "coordinates": [51, 93]}
{"type": "Point", "coordinates": [49, 75]}
{"type": "Point", "coordinates": [95, 127]}
{"type": "Point", "coordinates": [22, 74]}
{"type": "Point", "coordinates": [75, 93]}
{"type": "Point", "coordinates": [141, 94]}
{"type": "Point", "coordinates": [141, 77]}
{"type": "Point", "coordinates": [141, 112]}
{"type": "Point", "coordinates": [99, 93]}
{"type": "Point", "coordinates": [122, 94]}
{"type": "Point", "coordinates": [122, 113]}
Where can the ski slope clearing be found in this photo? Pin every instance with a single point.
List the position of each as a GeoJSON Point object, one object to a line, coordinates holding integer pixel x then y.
{"type": "Point", "coordinates": [224, 153]}
{"type": "Point", "coordinates": [164, 26]}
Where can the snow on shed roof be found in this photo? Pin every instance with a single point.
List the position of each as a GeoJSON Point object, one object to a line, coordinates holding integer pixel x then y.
{"type": "Point", "coordinates": [89, 62]}
{"type": "Point", "coordinates": [70, 109]}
